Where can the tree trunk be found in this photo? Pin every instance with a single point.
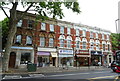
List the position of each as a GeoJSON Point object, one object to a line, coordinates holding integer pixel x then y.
{"type": "Point", "coordinates": [11, 34]}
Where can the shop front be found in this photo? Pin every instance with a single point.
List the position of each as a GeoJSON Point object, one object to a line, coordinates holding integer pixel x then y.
{"type": "Point", "coordinates": [96, 56]}
{"type": "Point", "coordinates": [47, 57]}
{"type": "Point", "coordinates": [82, 58]}
{"type": "Point", "coordinates": [20, 56]}
{"type": "Point", "coordinates": [65, 58]}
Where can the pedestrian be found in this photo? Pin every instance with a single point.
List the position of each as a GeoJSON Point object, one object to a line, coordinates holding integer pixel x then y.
{"type": "Point", "coordinates": [99, 64]}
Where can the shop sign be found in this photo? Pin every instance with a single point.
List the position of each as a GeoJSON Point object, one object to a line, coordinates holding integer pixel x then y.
{"type": "Point", "coordinates": [83, 55]}
{"type": "Point", "coordinates": [66, 51]}
{"type": "Point", "coordinates": [96, 52]}
{"type": "Point", "coordinates": [29, 48]}
{"type": "Point", "coordinates": [66, 55]}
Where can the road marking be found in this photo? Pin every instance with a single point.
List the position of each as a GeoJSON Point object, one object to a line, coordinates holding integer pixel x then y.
{"type": "Point", "coordinates": [103, 77]}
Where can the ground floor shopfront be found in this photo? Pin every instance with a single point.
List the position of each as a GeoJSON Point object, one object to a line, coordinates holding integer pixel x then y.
{"type": "Point", "coordinates": [82, 58]}
{"type": "Point", "coordinates": [47, 57]}
{"type": "Point", "coordinates": [65, 57]}
{"type": "Point", "coordinates": [20, 56]}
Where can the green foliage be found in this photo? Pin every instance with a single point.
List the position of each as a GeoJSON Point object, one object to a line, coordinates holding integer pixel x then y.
{"type": "Point", "coordinates": [4, 25]}
{"type": "Point", "coordinates": [115, 41]}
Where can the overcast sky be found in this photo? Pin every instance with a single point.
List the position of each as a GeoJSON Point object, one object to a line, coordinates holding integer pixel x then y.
{"type": "Point", "coordinates": [95, 13]}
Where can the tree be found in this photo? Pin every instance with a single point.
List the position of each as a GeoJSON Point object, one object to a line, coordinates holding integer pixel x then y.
{"type": "Point", "coordinates": [44, 9]}
{"type": "Point", "coordinates": [115, 41]}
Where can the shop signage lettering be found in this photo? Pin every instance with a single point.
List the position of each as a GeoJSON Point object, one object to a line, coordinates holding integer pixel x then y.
{"type": "Point", "coordinates": [66, 51]}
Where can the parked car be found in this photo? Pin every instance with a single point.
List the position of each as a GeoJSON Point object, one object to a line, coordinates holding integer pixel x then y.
{"type": "Point", "coordinates": [113, 66]}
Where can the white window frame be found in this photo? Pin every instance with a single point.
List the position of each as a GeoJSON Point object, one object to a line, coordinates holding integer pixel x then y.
{"type": "Point", "coordinates": [19, 24]}
{"type": "Point", "coordinates": [68, 43]}
{"type": "Point", "coordinates": [68, 31]}
{"type": "Point", "coordinates": [51, 27]}
{"type": "Point", "coordinates": [84, 33]}
{"type": "Point", "coordinates": [43, 26]}
{"type": "Point", "coordinates": [61, 29]}
{"type": "Point", "coordinates": [103, 37]}
{"type": "Point", "coordinates": [61, 42]}
{"type": "Point", "coordinates": [18, 38]}
{"type": "Point", "coordinates": [96, 35]}
{"type": "Point", "coordinates": [104, 46]}
{"type": "Point", "coordinates": [30, 24]}
{"type": "Point", "coordinates": [42, 41]}
{"type": "Point", "coordinates": [77, 44]}
{"type": "Point", "coordinates": [91, 35]}
{"type": "Point", "coordinates": [29, 40]}
{"type": "Point", "coordinates": [77, 32]}
{"type": "Point", "coordinates": [51, 42]}
{"type": "Point", "coordinates": [84, 45]}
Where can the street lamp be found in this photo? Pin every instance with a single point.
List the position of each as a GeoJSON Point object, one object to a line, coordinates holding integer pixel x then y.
{"type": "Point", "coordinates": [116, 25]}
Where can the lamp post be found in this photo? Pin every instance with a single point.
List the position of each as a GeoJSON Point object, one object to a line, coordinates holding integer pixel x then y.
{"type": "Point", "coordinates": [116, 25]}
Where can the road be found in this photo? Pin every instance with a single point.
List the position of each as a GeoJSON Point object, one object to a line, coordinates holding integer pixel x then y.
{"type": "Point", "coordinates": [106, 75]}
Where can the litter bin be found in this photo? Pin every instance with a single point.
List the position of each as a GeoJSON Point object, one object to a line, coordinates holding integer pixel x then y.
{"type": "Point", "coordinates": [31, 67]}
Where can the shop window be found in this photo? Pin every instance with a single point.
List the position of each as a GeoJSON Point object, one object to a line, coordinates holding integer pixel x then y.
{"type": "Point", "coordinates": [29, 40]}
{"type": "Point", "coordinates": [68, 31]}
{"type": "Point", "coordinates": [42, 41]}
{"type": "Point", "coordinates": [77, 32]}
{"type": "Point", "coordinates": [43, 26]}
{"type": "Point", "coordinates": [18, 39]}
{"type": "Point", "coordinates": [25, 58]}
{"type": "Point", "coordinates": [19, 24]}
{"type": "Point", "coordinates": [62, 30]}
{"type": "Point", "coordinates": [51, 41]}
{"type": "Point", "coordinates": [51, 28]}
{"type": "Point", "coordinates": [30, 24]}
{"type": "Point", "coordinates": [61, 43]}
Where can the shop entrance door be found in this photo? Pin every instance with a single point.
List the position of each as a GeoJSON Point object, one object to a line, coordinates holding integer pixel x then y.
{"type": "Point", "coordinates": [53, 61]}
{"type": "Point", "coordinates": [12, 60]}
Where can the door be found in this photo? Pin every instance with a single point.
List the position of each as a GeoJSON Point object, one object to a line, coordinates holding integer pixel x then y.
{"type": "Point", "coordinates": [12, 60]}
{"type": "Point", "coordinates": [53, 61]}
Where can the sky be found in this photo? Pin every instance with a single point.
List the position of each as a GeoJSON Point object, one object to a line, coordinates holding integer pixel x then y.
{"type": "Point", "coordinates": [95, 13]}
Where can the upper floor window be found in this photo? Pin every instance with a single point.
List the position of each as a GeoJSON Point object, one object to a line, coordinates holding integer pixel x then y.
{"type": "Point", "coordinates": [84, 33]}
{"type": "Point", "coordinates": [42, 41]}
{"type": "Point", "coordinates": [51, 42]}
{"type": "Point", "coordinates": [103, 47]}
{"type": "Point", "coordinates": [91, 35]}
{"type": "Point", "coordinates": [77, 32]}
{"type": "Point", "coordinates": [61, 42]}
{"type": "Point", "coordinates": [62, 29]}
{"type": "Point", "coordinates": [69, 43]}
{"type": "Point", "coordinates": [96, 35]}
{"type": "Point", "coordinates": [51, 28]}
{"type": "Point", "coordinates": [19, 24]}
{"type": "Point", "coordinates": [97, 45]}
{"type": "Point", "coordinates": [68, 31]}
{"type": "Point", "coordinates": [18, 39]}
{"type": "Point", "coordinates": [43, 26]}
{"type": "Point", "coordinates": [30, 24]}
{"type": "Point", "coordinates": [29, 40]}
{"type": "Point", "coordinates": [107, 37]}
{"type": "Point", "coordinates": [77, 44]}
{"type": "Point", "coordinates": [84, 45]}
{"type": "Point", "coordinates": [108, 47]}
{"type": "Point", "coordinates": [103, 36]}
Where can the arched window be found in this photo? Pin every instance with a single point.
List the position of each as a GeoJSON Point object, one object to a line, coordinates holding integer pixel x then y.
{"type": "Point", "coordinates": [97, 45]}
{"type": "Point", "coordinates": [61, 38]}
{"type": "Point", "coordinates": [77, 39]}
{"type": "Point", "coordinates": [92, 44]}
{"type": "Point", "coordinates": [103, 45]}
{"type": "Point", "coordinates": [69, 39]}
{"type": "Point", "coordinates": [19, 24]}
{"type": "Point", "coordinates": [42, 41]}
{"type": "Point", "coordinates": [84, 43]}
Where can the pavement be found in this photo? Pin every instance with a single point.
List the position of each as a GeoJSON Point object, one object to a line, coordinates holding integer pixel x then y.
{"type": "Point", "coordinates": [23, 72]}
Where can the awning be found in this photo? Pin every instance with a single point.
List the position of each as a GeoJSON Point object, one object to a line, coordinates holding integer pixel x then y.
{"type": "Point", "coordinates": [54, 54]}
{"type": "Point", "coordinates": [43, 53]}
{"type": "Point", "coordinates": [83, 55]}
{"type": "Point", "coordinates": [66, 55]}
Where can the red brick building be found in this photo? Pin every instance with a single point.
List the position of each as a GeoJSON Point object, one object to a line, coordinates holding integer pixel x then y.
{"type": "Point", "coordinates": [58, 43]}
